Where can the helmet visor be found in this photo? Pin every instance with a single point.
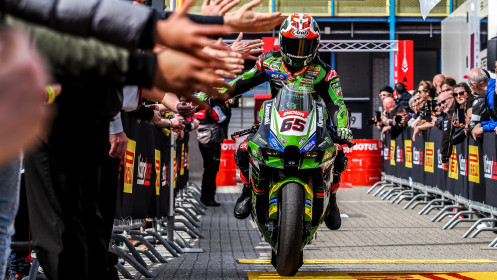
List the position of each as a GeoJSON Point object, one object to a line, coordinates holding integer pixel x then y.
{"type": "Point", "coordinates": [298, 48]}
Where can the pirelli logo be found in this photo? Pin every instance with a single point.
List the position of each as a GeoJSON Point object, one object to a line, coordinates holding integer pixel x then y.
{"type": "Point", "coordinates": [473, 164]}
{"type": "Point", "coordinates": [129, 166]}
{"type": "Point", "coordinates": [429, 157]}
{"type": "Point", "coordinates": [453, 166]}
{"type": "Point", "coordinates": [408, 145]}
{"type": "Point", "coordinates": [157, 172]}
{"type": "Point", "coordinates": [182, 166]}
{"type": "Point", "coordinates": [392, 152]}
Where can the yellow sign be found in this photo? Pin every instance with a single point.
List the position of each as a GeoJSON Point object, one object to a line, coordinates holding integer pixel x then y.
{"type": "Point", "coordinates": [473, 164]}
{"type": "Point", "coordinates": [429, 157]}
{"type": "Point", "coordinates": [453, 166]}
{"type": "Point", "coordinates": [377, 275]}
{"type": "Point", "coordinates": [157, 172]}
{"type": "Point", "coordinates": [182, 169]}
{"type": "Point", "coordinates": [392, 152]}
{"type": "Point", "coordinates": [408, 145]}
{"type": "Point", "coordinates": [175, 172]}
{"type": "Point", "coordinates": [129, 166]}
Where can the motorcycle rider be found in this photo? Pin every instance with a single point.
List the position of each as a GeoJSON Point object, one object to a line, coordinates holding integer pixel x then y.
{"type": "Point", "coordinates": [297, 63]}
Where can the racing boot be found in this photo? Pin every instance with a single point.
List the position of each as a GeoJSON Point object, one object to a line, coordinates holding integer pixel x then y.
{"type": "Point", "coordinates": [332, 217]}
{"type": "Point", "coordinates": [242, 206]}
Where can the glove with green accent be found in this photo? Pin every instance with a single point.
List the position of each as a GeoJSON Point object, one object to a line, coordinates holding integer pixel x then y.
{"type": "Point", "coordinates": [344, 133]}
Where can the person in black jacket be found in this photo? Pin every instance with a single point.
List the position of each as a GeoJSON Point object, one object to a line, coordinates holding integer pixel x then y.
{"type": "Point", "coordinates": [212, 131]}
{"type": "Point", "coordinates": [403, 96]}
{"type": "Point", "coordinates": [445, 124]}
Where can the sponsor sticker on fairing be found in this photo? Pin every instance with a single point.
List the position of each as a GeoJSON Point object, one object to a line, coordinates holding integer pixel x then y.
{"type": "Point", "coordinates": [320, 121]}
{"type": "Point", "coordinates": [273, 200]}
{"type": "Point", "coordinates": [255, 153]}
{"type": "Point", "coordinates": [293, 113]}
{"type": "Point", "coordinates": [308, 81]}
{"type": "Point", "coordinates": [274, 67]}
{"type": "Point", "coordinates": [313, 73]}
{"type": "Point", "coordinates": [267, 113]}
{"type": "Point", "coordinates": [302, 140]}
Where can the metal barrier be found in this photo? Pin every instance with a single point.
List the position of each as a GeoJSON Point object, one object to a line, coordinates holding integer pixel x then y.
{"type": "Point", "coordinates": [131, 234]}
{"type": "Point", "coordinates": [462, 209]}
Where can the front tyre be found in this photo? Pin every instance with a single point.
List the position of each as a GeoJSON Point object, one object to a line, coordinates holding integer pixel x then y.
{"type": "Point", "coordinates": [291, 222]}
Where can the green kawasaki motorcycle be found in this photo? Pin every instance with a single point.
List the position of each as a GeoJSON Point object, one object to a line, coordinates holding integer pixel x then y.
{"type": "Point", "coordinates": [291, 167]}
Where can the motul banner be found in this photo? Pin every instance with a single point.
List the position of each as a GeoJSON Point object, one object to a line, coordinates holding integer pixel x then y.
{"type": "Point", "coordinates": [271, 43]}
{"type": "Point", "coordinates": [472, 166]}
{"type": "Point", "coordinates": [403, 64]}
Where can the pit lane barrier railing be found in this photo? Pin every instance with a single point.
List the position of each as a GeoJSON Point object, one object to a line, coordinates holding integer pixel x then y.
{"type": "Point", "coordinates": [413, 172]}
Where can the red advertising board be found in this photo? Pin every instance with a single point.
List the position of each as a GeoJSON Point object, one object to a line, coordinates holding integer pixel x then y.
{"type": "Point", "coordinates": [403, 64]}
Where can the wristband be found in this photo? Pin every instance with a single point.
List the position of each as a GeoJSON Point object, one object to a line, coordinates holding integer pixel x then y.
{"type": "Point", "coordinates": [51, 94]}
{"type": "Point", "coordinates": [170, 123]}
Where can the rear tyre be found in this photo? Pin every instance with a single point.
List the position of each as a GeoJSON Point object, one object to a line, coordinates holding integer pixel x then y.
{"type": "Point", "coordinates": [290, 229]}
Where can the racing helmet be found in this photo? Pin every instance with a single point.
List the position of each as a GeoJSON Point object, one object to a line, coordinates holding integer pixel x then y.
{"type": "Point", "coordinates": [299, 40]}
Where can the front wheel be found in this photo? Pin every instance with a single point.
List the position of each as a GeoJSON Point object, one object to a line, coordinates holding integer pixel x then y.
{"type": "Point", "coordinates": [291, 222]}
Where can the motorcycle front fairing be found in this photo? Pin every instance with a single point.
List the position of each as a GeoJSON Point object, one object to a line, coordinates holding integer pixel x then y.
{"type": "Point", "coordinates": [292, 144]}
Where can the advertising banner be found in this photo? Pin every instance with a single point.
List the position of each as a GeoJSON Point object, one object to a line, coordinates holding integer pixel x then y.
{"type": "Point", "coordinates": [403, 64]}
{"type": "Point", "coordinates": [143, 190]}
{"type": "Point", "coordinates": [472, 166]}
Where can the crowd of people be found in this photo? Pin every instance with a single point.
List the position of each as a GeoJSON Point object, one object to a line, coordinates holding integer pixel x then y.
{"type": "Point", "coordinates": [69, 68]}
{"type": "Point", "coordinates": [459, 109]}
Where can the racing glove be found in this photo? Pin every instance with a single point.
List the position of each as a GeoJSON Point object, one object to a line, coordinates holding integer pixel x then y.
{"type": "Point", "coordinates": [344, 133]}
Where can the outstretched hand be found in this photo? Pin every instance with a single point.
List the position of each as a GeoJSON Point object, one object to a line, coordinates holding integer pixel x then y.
{"type": "Point", "coordinates": [246, 20]}
{"type": "Point", "coordinates": [218, 7]}
{"type": "Point", "coordinates": [246, 49]}
{"type": "Point", "coordinates": [183, 74]}
{"type": "Point", "coordinates": [181, 34]}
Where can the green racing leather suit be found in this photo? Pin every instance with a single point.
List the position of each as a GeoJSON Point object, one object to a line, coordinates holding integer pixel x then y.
{"type": "Point", "coordinates": [317, 78]}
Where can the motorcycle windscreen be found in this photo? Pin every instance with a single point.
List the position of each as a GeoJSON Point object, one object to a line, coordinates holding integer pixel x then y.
{"type": "Point", "coordinates": [289, 99]}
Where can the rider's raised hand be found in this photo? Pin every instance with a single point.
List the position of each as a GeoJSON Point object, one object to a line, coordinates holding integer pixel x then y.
{"type": "Point", "coordinates": [344, 134]}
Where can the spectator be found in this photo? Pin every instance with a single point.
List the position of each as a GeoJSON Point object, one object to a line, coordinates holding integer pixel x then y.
{"type": "Point", "coordinates": [427, 90]}
{"type": "Point", "coordinates": [211, 133]}
{"type": "Point", "coordinates": [403, 96]}
{"type": "Point", "coordinates": [417, 108]}
{"type": "Point", "coordinates": [437, 82]}
{"type": "Point", "coordinates": [484, 88]}
{"type": "Point", "coordinates": [386, 92]}
{"type": "Point", "coordinates": [446, 101]}
{"type": "Point", "coordinates": [387, 115]}
{"type": "Point", "coordinates": [463, 102]}
{"type": "Point", "coordinates": [448, 85]}
{"type": "Point", "coordinates": [399, 121]}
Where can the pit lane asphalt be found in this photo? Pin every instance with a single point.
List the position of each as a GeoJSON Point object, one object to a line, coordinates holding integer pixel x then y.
{"type": "Point", "coordinates": [373, 230]}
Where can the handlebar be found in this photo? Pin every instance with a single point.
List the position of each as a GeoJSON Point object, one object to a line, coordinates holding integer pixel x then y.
{"type": "Point", "coordinates": [241, 133]}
